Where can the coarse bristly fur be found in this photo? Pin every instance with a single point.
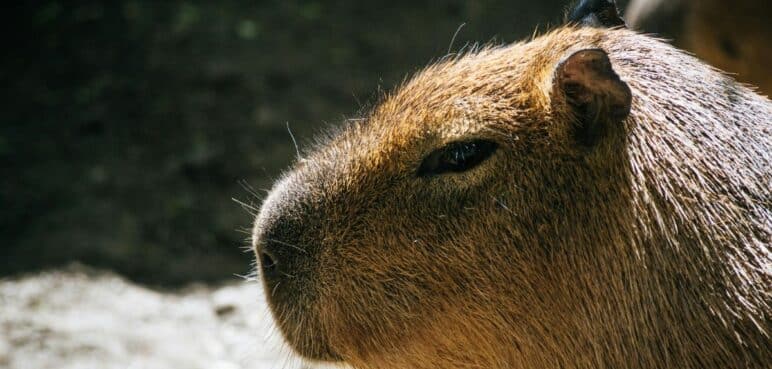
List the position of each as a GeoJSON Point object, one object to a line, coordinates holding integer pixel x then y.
{"type": "Point", "coordinates": [648, 249]}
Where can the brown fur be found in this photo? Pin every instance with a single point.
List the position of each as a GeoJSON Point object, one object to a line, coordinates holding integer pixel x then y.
{"type": "Point", "coordinates": [648, 250]}
{"type": "Point", "coordinates": [732, 35]}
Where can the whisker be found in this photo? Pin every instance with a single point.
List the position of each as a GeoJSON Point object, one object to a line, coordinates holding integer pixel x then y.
{"type": "Point", "coordinates": [244, 230]}
{"type": "Point", "coordinates": [250, 190]}
{"type": "Point", "coordinates": [286, 244]}
{"type": "Point", "coordinates": [251, 209]}
{"type": "Point", "coordinates": [297, 149]}
{"type": "Point", "coordinates": [503, 206]}
{"type": "Point", "coordinates": [452, 40]}
{"type": "Point", "coordinates": [288, 274]}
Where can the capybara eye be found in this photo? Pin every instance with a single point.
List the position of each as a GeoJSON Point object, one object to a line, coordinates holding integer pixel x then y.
{"type": "Point", "coordinates": [456, 157]}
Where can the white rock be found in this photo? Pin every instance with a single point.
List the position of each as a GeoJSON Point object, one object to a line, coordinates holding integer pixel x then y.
{"type": "Point", "coordinates": [80, 319]}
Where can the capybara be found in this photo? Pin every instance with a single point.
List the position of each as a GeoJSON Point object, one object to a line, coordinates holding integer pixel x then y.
{"type": "Point", "coordinates": [589, 198]}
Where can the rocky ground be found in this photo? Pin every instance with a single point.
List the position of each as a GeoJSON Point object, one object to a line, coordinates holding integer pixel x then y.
{"type": "Point", "coordinates": [84, 319]}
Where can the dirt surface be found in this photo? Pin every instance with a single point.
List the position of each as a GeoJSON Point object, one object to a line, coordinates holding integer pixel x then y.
{"type": "Point", "coordinates": [80, 318]}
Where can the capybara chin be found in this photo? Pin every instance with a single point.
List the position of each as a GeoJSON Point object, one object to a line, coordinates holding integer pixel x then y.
{"type": "Point", "coordinates": [590, 198]}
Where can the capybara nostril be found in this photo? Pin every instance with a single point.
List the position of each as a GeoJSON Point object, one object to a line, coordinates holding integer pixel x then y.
{"type": "Point", "coordinates": [275, 261]}
{"type": "Point", "coordinates": [280, 250]}
{"type": "Point", "coordinates": [267, 262]}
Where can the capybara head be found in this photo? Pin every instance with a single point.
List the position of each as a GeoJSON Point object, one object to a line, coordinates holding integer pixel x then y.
{"type": "Point", "coordinates": [591, 198]}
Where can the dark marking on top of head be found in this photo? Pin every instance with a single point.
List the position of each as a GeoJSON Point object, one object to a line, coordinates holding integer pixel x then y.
{"type": "Point", "coordinates": [665, 18]}
{"type": "Point", "coordinates": [596, 13]}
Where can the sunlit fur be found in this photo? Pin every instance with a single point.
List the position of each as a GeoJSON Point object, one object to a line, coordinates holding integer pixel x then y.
{"type": "Point", "coordinates": [648, 250]}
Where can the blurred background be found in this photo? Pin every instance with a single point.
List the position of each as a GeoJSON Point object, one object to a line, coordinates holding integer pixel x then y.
{"type": "Point", "coordinates": [128, 128]}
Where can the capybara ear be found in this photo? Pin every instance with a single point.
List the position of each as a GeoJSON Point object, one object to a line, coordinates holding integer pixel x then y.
{"type": "Point", "coordinates": [596, 13]}
{"type": "Point", "coordinates": [586, 84]}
